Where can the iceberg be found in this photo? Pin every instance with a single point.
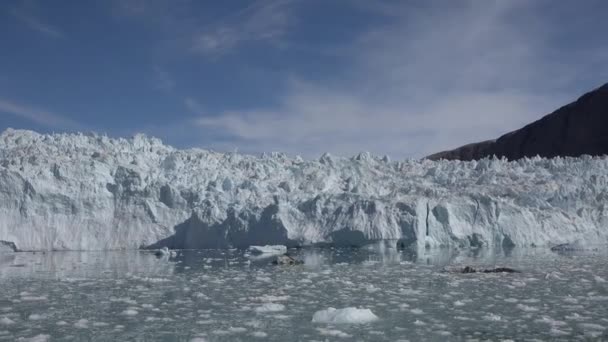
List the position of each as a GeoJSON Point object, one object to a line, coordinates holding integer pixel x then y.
{"type": "Point", "coordinates": [92, 192]}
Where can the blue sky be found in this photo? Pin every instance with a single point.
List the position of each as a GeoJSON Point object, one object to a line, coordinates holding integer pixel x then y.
{"type": "Point", "coordinates": [404, 78]}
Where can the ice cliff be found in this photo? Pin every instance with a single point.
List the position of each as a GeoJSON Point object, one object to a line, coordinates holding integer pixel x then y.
{"type": "Point", "coordinates": [89, 192]}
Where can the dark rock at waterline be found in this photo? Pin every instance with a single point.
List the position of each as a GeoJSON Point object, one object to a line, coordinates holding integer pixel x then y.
{"type": "Point", "coordinates": [567, 247]}
{"type": "Point", "coordinates": [165, 252]}
{"type": "Point", "coordinates": [162, 252]}
{"type": "Point", "coordinates": [8, 246]}
{"type": "Point", "coordinates": [576, 246]}
{"type": "Point", "coordinates": [286, 260]}
{"type": "Point", "coordinates": [576, 129]}
{"type": "Point", "coordinates": [469, 269]}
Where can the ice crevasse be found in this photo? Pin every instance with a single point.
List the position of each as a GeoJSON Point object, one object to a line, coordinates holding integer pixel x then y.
{"type": "Point", "coordinates": [91, 192]}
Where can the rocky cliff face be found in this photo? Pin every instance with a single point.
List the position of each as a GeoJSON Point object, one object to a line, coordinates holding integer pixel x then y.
{"type": "Point", "coordinates": [573, 130]}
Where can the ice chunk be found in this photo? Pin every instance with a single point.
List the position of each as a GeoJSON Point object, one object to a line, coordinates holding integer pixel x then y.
{"type": "Point", "coordinates": [6, 321]}
{"type": "Point", "coordinates": [492, 317]}
{"type": "Point", "coordinates": [82, 324]}
{"type": "Point", "coordinates": [333, 332]}
{"type": "Point", "coordinates": [270, 307]}
{"type": "Point", "coordinates": [346, 315]}
{"type": "Point", "coordinates": [37, 338]}
{"type": "Point", "coordinates": [268, 249]}
{"type": "Point", "coordinates": [271, 298]}
{"type": "Point", "coordinates": [130, 312]}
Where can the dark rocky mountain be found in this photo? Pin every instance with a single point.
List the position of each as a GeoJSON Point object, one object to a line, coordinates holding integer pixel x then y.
{"type": "Point", "coordinates": [573, 130]}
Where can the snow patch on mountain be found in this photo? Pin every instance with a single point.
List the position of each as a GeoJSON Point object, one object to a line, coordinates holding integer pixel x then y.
{"type": "Point", "coordinates": [91, 192]}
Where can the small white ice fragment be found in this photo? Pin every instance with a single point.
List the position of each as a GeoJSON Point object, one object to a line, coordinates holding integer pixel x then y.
{"type": "Point", "coordinates": [526, 308]}
{"type": "Point", "coordinates": [130, 312]}
{"type": "Point", "coordinates": [270, 307]}
{"type": "Point", "coordinates": [6, 321]}
{"type": "Point", "coordinates": [492, 317]}
{"type": "Point", "coordinates": [82, 324]}
{"type": "Point", "coordinates": [37, 338]}
{"type": "Point", "coordinates": [346, 315]}
{"type": "Point", "coordinates": [333, 332]}
{"type": "Point", "coordinates": [417, 311]}
{"type": "Point", "coordinates": [198, 339]}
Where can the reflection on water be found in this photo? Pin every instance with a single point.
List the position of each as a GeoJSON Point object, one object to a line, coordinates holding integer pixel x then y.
{"type": "Point", "coordinates": [225, 295]}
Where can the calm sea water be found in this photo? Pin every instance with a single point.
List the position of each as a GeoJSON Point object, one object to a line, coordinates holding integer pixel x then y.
{"type": "Point", "coordinates": [212, 295]}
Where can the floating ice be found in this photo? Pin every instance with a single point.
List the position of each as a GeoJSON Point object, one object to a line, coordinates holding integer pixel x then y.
{"type": "Point", "coordinates": [271, 298]}
{"type": "Point", "coordinates": [268, 249]}
{"type": "Point", "coordinates": [82, 324]}
{"type": "Point", "coordinates": [346, 315]}
{"type": "Point", "coordinates": [198, 339]}
{"type": "Point", "coordinates": [130, 312]}
{"type": "Point", "coordinates": [333, 332]}
{"type": "Point", "coordinates": [417, 311]}
{"type": "Point", "coordinates": [6, 321]}
{"type": "Point", "coordinates": [526, 308]}
{"type": "Point", "coordinates": [89, 192]}
{"type": "Point", "coordinates": [37, 338]}
{"type": "Point", "coordinates": [492, 317]}
{"type": "Point", "coordinates": [270, 307]}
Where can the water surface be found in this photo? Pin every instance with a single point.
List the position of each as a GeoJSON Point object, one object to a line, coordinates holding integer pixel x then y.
{"type": "Point", "coordinates": [226, 296]}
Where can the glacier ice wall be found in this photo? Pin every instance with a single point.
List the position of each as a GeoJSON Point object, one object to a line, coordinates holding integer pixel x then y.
{"type": "Point", "coordinates": [89, 192]}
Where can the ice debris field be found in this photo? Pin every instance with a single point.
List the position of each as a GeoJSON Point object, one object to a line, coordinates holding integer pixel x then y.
{"type": "Point", "coordinates": [338, 294]}
{"type": "Point", "coordinates": [90, 192]}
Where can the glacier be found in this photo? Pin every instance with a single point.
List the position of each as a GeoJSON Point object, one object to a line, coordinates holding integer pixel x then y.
{"type": "Point", "coordinates": [92, 192]}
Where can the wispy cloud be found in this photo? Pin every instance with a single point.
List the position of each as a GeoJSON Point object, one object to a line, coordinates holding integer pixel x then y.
{"type": "Point", "coordinates": [188, 28]}
{"type": "Point", "coordinates": [132, 7]}
{"type": "Point", "coordinates": [163, 79]}
{"type": "Point", "coordinates": [418, 77]}
{"type": "Point", "coordinates": [262, 21]}
{"type": "Point", "coordinates": [194, 106]}
{"type": "Point", "coordinates": [38, 116]}
{"type": "Point", "coordinates": [310, 121]}
{"type": "Point", "coordinates": [33, 22]}
{"type": "Point", "coordinates": [428, 79]}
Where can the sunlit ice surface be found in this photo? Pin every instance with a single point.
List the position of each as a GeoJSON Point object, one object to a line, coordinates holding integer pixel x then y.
{"type": "Point", "coordinates": [225, 295]}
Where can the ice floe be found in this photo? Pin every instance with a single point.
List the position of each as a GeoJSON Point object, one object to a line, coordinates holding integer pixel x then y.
{"type": "Point", "coordinates": [268, 249]}
{"type": "Point", "coordinates": [343, 316]}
